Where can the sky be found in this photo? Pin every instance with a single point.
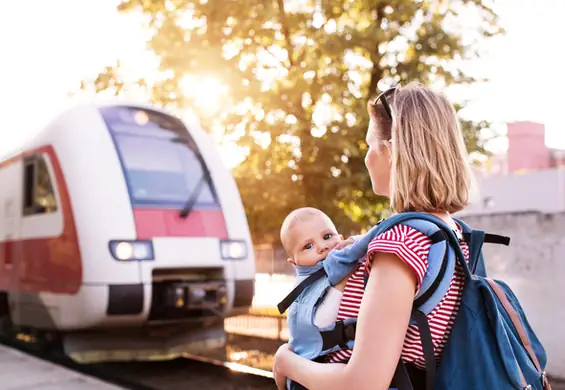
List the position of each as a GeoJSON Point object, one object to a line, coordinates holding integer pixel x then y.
{"type": "Point", "coordinates": [46, 52]}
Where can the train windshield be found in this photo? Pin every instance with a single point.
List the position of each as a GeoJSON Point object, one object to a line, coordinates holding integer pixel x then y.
{"type": "Point", "coordinates": [162, 164]}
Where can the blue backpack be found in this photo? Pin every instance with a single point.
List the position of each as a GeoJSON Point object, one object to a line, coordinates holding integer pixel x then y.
{"type": "Point", "coordinates": [491, 345]}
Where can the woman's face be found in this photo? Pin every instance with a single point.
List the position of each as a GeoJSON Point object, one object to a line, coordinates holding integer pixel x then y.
{"type": "Point", "coordinates": [377, 161]}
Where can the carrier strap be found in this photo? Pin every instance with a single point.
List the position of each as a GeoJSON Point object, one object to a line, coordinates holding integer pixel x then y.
{"type": "Point", "coordinates": [401, 379]}
{"type": "Point", "coordinates": [490, 238]}
{"type": "Point", "coordinates": [290, 298]}
{"type": "Point", "coordinates": [427, 346]}
{"type": "Point", "coordinates": [441, 274]}
{"type": "Point", "coordinates": [337, 336]}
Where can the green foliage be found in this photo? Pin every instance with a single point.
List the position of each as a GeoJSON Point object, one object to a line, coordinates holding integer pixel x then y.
{"type": "Point", "coordinates": [299, 75]}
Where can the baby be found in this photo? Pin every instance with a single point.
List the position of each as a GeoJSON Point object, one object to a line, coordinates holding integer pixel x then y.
{"type": "Point", "coordinates": [307, 235]}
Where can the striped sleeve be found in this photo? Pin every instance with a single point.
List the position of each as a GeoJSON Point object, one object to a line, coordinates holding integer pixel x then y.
{"type": "Point", "coordinates": [408, 244]}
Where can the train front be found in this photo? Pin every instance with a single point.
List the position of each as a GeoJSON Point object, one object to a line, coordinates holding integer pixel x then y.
{"type": "Point", "coordinates": [193, 244]}
{"type": "Point", "coordinates": [192, 248]}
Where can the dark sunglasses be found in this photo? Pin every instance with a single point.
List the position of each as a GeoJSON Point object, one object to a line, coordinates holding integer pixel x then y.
{"type": "Point", "coordinates": [384, 101]}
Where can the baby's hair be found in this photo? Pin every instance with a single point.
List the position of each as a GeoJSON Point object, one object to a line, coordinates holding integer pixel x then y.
{"type": "Point", "coordinates": [298, 215]}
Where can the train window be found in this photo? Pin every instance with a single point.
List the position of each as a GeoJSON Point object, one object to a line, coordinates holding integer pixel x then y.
{"type": "Point", "coordinates": [161, 162]}
{"type": "Point", "coordinates": [160, 171]}
{"type": "Point", "coordinates": [119, 118]}
{"type": "Point", "coordinates": [39, 197]}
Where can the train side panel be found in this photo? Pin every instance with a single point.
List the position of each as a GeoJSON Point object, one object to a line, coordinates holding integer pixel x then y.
{"type": "Point", "coordinates": [102, 211]}
{"type": "Point", "coordinates": [40, 249]}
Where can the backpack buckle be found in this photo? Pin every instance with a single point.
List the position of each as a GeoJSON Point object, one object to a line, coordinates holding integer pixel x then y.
{"type": "Point", "coordinates": [545, 381]}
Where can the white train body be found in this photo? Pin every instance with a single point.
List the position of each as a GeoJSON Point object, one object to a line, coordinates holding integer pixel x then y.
{"type": "Point", "coordinates": [91, 231]}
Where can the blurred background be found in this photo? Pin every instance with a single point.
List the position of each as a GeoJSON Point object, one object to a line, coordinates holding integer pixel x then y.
{"type": "Point", "coordinates": [272, 85]}
{"type": "Point", "coordinates": [281, 86]}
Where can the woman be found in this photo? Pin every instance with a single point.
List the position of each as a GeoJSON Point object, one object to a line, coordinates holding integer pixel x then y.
{"type": "Point", "coordinates": [416, 156]}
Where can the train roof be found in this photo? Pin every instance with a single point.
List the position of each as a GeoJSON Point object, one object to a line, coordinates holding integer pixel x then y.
{"type": "Point", "coordinates": [18, 142]}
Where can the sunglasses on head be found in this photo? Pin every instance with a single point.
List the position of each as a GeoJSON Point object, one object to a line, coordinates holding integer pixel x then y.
{"type": "Point", "coordinates": [382, 98]}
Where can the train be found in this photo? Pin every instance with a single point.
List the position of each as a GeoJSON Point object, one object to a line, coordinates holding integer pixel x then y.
{"type": "Point", "coordinates": [123, 235]}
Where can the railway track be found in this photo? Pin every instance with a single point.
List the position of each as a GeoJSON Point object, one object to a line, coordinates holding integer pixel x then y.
{"type": "Point", "coordinates": [185, 373]}
{"type": "Point", "coordinates": [189, 372]}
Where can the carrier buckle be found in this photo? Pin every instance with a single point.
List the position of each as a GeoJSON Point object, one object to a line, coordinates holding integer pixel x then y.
{"type": "Point", "coordinates": [338, 336]}
{"type": "Point", "coordinates": [346, 333]}
{"type": "Point", "coordinates": [349, 332]}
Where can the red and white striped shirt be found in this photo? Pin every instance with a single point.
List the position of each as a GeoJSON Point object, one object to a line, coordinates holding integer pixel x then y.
{"type": "Point", "coordinates": [412, 247]}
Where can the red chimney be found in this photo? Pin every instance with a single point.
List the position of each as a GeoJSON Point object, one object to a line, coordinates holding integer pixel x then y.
{"type": "Point", "coordinates": [526, 147]}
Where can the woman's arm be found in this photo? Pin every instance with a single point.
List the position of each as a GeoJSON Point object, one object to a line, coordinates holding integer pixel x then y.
{"type": "Point", "coordinates": [381, 328]}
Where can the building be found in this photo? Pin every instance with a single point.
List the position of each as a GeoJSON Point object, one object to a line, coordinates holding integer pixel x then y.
{"type": "Point", "coordinates": [530, 177]}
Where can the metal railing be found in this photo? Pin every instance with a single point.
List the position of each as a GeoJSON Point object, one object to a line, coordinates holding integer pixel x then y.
{"type": "Point", "coordinates": [269, 260]}
{"type": "Point", "coordinates": [258, 325]}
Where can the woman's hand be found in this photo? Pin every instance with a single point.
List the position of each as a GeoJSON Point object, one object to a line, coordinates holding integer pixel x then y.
{"type": "Point", "coordinates": [278, 363]}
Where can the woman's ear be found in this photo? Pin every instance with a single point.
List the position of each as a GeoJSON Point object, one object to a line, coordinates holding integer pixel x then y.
{"type": "Point", "coordinates": [388, 145]}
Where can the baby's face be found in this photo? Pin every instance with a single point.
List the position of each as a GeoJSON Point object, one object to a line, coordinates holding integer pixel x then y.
{"type": "Point", "coordinates": [312, 239]}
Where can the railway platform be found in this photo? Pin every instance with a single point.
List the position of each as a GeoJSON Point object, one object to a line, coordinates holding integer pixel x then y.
{"type": "Point", "coordinates": [21, 371]}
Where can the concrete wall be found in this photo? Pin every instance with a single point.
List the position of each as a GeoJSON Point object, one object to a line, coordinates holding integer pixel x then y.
{"type": "Point", "coordinates": [534, 267]}
{"type": "Point", "coordinates": [541, 191]}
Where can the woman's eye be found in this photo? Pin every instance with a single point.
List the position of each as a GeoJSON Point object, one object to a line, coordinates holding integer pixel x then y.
{"type": "Point", "coordinates": [327, 236]}
{"type": "Point", "coordinates": [307, 246]}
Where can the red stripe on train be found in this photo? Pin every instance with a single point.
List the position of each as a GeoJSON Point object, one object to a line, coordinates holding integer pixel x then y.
{"type": "Point", "coordinates": [51, 264]}
{"type": "Point", "coordinates": [152, 223]}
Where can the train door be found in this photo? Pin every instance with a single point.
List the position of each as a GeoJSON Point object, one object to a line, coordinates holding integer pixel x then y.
{"type": "Point", "coordinates": [40, 222]}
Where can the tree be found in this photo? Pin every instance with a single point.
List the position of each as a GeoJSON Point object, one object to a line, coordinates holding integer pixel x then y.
{"type": "Point", "coordinates": [299, 75]}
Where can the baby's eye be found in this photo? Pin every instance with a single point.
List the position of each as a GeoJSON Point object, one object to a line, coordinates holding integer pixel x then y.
{"type": "Point", "coordinates": [307, 246]}
{"type": "Point", "coordinates": [327, 236]}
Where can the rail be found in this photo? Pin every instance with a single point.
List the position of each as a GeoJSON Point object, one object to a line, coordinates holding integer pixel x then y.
{"type": "Point", "coordinates": [272, 261]}
{"type": "Point", "coordinates": [258, 325]}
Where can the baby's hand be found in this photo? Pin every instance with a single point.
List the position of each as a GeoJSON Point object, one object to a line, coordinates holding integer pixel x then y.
{"type": "Point", "coordinates": [343, 243]}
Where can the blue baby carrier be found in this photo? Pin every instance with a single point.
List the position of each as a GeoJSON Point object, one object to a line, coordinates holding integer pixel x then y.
{"type": "Point", "coordinates": [491, 345]}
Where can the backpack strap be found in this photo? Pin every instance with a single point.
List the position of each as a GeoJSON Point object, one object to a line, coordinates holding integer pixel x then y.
{"type": "Point", "coordinates": [488, 238]}
{"type": "Point", "coordinates": [475, 239]}
{"type": "Point", "coordinates": [291, 297]}
{"type": "Point", "coordinates": [401, 379]}
{"type": "Point", "coordinates": [427, 347]}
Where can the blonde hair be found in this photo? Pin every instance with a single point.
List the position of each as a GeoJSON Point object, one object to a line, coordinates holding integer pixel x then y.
{"type": "Point", "coordinates": [430, 166]}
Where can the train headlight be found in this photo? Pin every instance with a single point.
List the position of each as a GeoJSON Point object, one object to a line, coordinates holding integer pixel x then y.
{"type": "Point", "coordinates": [131, 250]}
{"type": "Point", "coordinates": [233, 250]}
